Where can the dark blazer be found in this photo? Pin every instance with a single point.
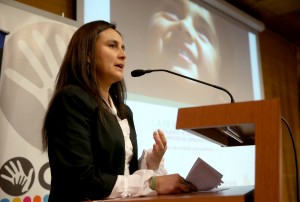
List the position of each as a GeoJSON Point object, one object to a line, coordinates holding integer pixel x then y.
{"type": "Point", "coordinates": [85, 157]}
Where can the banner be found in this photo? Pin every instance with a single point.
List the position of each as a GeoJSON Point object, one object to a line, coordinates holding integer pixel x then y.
{"type": "Point", "coordinates": [33, 52]}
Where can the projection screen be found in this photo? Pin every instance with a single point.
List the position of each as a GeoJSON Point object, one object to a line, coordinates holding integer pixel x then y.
{"type": "Point", "coordinates": [205, 40]}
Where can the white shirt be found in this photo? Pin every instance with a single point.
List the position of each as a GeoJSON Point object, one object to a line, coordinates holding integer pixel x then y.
{"type": "Point", "coordinates": [136, 184]}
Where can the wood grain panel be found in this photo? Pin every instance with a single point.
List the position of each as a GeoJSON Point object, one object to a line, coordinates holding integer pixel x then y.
{"type": "Point", "coordinates": [59, 7]}
{"type": "Point", "coordinates": [279, 68]}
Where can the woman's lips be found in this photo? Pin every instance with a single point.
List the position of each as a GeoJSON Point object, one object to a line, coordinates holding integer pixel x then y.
{"type": "Point", "coordinates": [121, 66]}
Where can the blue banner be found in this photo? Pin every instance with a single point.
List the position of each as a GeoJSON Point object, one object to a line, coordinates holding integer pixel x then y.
{"type": "Point", "coordinates": [2, 39]}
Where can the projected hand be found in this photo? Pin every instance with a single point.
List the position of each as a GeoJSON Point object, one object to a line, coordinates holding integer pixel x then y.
{"type": "Point", "coordinates": [18, 176]}
{"type": "Point", "coordinates": [159, 148]}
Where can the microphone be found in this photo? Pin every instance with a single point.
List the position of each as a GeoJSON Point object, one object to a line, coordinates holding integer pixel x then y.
{"type": "Point", "coordinates": [232, 131]}
{"type": "Point", "coordinates": [141, 72]}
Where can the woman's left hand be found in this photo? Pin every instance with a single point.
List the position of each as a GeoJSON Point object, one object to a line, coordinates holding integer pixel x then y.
{"type": "Point", "coordinates": [159, 148]}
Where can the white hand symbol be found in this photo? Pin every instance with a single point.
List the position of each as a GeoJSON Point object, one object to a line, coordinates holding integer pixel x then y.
{"type": "Point", "coordinates": [18, 176]}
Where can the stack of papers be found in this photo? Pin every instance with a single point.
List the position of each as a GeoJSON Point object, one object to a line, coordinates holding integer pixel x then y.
{"type": "Point", "coordinates": [203, 176]}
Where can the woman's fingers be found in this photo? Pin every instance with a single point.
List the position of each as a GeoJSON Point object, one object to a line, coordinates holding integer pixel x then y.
{"type": "Point", "coordinates": [162, 137]}
{"type": "Point", "coordinates": [160, 145]}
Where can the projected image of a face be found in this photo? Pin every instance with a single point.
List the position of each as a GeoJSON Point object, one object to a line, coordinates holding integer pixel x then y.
{"type": "Point", "coordinates": [182, 38]}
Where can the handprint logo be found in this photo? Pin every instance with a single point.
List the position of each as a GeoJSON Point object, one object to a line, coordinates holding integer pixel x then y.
{"type": "Point", "coordinates": [30, 64]}
{"type": "Point", "coordinates": [16, 176]}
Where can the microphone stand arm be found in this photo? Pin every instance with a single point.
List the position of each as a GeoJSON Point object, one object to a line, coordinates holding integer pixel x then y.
{"type": "Point", "coordinates": [214, 86]}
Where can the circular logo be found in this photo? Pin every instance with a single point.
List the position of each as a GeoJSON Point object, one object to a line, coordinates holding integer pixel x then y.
{"type": "Point", "coordinates": [16, 176]}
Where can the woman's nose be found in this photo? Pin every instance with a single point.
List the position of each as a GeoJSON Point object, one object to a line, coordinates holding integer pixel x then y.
{"type": "Point", "coordinates": [122, 54]}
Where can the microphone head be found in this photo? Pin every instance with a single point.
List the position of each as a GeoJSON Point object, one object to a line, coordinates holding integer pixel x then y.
{"type": "Point", "coordinates": [137, 73]}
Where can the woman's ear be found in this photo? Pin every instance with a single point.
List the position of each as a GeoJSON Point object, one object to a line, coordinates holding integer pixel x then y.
{"type": "Point", "coordinates": [88, 65]}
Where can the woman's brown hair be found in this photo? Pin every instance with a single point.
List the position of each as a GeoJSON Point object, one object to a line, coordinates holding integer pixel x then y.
{"type": "Point", "coordinates": [78, 68]}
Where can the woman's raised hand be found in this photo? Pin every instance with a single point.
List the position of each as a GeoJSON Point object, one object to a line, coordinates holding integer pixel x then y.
{"type": "Point", "coordinates": [159, 148]}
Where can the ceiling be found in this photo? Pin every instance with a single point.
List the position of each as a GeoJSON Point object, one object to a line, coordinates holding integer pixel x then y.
{"type": "Point", "coordinates": [279, 16]}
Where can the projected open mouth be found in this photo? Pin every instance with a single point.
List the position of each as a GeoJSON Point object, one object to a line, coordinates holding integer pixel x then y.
{"type": "Point", "coordinates": [179, 53]}
{"type": "Point", "coordinates": [186, 56]}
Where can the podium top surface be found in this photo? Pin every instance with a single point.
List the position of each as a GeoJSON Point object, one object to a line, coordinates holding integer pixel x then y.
{"type": "Point", "coordinates": [230, 194]}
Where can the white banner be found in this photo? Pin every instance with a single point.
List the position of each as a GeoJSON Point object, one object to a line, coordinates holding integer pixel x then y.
{"type": "Point", "coordinates": [32, 55]}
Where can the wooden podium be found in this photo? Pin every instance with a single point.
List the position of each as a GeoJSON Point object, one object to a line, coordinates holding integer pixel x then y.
{"type": "Point", "coordinates": [246, 123]}
{"type": "Point", "coordinates": [255, 123]}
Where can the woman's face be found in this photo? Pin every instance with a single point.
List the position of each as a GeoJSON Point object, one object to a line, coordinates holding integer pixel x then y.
{"type": "Point", "coordinates": [110, 57]}
{"type": "Point", "coordinates": [182, 38]}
